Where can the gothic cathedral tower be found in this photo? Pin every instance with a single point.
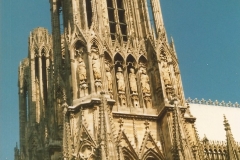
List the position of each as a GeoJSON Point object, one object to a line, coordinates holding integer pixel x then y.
{"type": "Point", "coordinates": [105, 85]}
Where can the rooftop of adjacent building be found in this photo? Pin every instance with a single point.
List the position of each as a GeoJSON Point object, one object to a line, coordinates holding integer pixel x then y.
{"type": "Point", "coordinates": [210, 119]}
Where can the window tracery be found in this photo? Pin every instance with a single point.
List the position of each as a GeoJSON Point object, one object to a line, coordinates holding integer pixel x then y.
{"type": "Point", "coordinates": [120, 21]}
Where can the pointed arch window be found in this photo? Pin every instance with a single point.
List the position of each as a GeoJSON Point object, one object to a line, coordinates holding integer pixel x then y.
{"type": "Point", "coordinates": [44, 75]}
{"type": "Point", "coordinates": [151, 18]}
{"type": "Point", "coordinates": [89, 12]}
{"type": "Point", "coordinates": [36, 65]}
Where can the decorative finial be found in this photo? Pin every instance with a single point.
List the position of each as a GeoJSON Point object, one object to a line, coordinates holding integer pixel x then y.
{"type": "Point", "coordinates": [205, 139]}
{"type": "Point", "coordinates": [226, 124]}
{"type": "Point", "coordinates": [120, 121]}
{"type": "Point", "coordinates": [146, 124]}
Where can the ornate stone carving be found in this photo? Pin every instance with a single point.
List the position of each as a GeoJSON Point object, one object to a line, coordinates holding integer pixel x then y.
{"type": "Point", "coordinates": [132, 81]}
{"type": "Point", "coordinates": [108, 76]}
{"type": "Point", "coordinates": [96, 66]}
{"type": "Point", "coordinates": [82, 77]}
{"type": "Point", "coordinates": [86, 151]}
{"type": "Point", "coordinates": [133, 87]}
{"type": "Point", "coordinates": [144, 79]}
{"type": "Point", "coordinates": [121, 86]}
{"type": "Point", "coordinates": [166, 74]}
{"type": "Point", "coordinates": [145, 82]}
{"type": "Point", "coordinates": [81, 70]}
{"type": "Point", "coordinates": [120, 80]}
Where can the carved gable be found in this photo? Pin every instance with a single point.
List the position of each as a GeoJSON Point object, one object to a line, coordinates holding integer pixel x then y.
{"type": "Point", "coordinates": [149, 146]}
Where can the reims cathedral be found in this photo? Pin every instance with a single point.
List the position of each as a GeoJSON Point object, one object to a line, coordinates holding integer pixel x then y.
{"type": "Point", "coordinates": [106, 85]}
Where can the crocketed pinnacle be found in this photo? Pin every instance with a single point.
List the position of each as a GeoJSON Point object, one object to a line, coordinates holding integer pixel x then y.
{"type": "Point", "coordinates": [232, 153]}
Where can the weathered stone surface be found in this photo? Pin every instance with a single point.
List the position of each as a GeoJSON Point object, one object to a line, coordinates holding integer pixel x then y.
{"type": "Point", "coordinates": [108, 87]}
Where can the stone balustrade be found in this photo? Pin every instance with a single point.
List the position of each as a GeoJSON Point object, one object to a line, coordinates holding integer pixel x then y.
{"type": "Point", "coordinates": [214, 103]}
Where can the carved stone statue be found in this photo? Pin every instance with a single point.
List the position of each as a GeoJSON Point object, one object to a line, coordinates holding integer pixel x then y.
{"type": "Point", "coordinates": [109, 76]}
{"type": "Point", "coordinates": [132, 81]}
{"type": "Point", "coordinates": [145, 82]}
{"type": "Point", "coordinates": [81, 70]}
{"type": "Point", "coordinates": [166, 74]}
{"type": "Point", "coordinates": [120, 80]}
{"type": "Point", "coordinates": [96, 66]}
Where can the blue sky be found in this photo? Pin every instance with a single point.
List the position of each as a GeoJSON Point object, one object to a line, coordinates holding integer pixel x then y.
{"type": "Point", "coordinates": [206, 35]}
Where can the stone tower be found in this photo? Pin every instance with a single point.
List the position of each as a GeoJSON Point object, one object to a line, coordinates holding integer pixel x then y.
{"type": "Point", "coordinates": [105, 85]}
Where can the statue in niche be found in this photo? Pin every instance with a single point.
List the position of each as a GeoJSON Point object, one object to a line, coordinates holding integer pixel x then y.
{"type": "Point", "coordinates": [120, 80]}
{"type": "Point", "coordinates": [96, 64]}
{"type": "Point", "coordinates": [132, 81]}
{"type": "Point", "coordinates": [109, 76]}
{"type": "Point", "coordinates": [145, 82]}
{"type": "Point", "coordinates": [166, 74]}
{"type": "Point", "coordinates": [79, 52]}
{"type": "Point", "coordinates": [81, 70]}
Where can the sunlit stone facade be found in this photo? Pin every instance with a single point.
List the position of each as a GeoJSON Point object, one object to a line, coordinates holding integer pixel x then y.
{"type": "Point", "coordinates": [106, 85]}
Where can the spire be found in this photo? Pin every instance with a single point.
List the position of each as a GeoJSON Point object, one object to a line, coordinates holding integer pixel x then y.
{"type": "Point", "coordinates": [232, 153]}
{"type": "Point", "coordinates": [173, 46]}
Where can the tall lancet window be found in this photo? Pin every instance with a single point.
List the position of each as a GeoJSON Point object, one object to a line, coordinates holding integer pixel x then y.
{"type": "Point", "coordinates": [44, 75]}
{"type": "Point", "coordinates": [89, 12]}
{"type": "Point", "coordinates": [151, 18]}
{"type": "Point", "coordinates": [121, 18]}
{"type": "Point", "coordinates": [36, 65]}
{"type": "Point", "coordinates": [118, 5]}
{"type": "Point", "coordinates": [112, 22]}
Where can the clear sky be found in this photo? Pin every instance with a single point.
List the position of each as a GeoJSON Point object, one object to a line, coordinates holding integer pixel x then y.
{"type": "Point", "coordinates": [206, 35]}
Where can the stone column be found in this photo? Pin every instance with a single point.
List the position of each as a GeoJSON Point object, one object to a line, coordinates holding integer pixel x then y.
{"type": "Point", "coordinates": [90, 71]}
{"type": "Point", "coordinates": [73, 74]}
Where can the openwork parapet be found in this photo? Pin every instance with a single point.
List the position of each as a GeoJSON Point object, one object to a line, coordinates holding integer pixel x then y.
{"type": "Point", "coordinates": [214, 103]}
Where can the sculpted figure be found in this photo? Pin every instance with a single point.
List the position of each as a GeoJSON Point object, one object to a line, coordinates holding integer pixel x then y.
{"type": "Point", "coordinates": [120, 80]}
{"type": "Point", "coordinates": [166, 74]}
{"type": "Point", "coordinates": [109, 76]}
{"type": "Point", "coordinates": [96, 66]}
{"type": "Point", "coordinates": [81, 70]}
{"type": "Point", "coordinates": [145, 82]}
{"type": "Point", "coordinates": [132, 81]}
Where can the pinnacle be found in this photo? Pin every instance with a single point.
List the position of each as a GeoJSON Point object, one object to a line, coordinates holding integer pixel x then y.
{"type": "Point", "coordinates": [226, 124]}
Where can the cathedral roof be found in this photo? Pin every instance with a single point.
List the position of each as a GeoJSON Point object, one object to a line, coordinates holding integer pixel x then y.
{"type": "Point", "coordinates": [210, 118]}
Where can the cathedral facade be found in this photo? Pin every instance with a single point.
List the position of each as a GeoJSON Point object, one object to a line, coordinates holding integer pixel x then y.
{"type": "Point", "coordinates": [106, 85]}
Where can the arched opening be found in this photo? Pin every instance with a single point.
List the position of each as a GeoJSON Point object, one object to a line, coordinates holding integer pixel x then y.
{"type": "Point", "coordinates": [120, 79]}
{"type": "Point", "coordinates": [152, 155]}
{"type": "Point", "coordinates": [142, 60]}
{"type": "Point", "coordinates": [118, 60]}
{"type": "Point", "coordinates": [82, 70]}
{"type": "Point", "coordinates": [145, 82]}
{"type": "Point", "coordinates": [128, 155]}
{"type": "Point", "coordinates": [36, 65]}
{"type": "Point", "coordinates": [151, 16]}
{"type": "Point", "coordinates": [89, 12]}
{"type": "Point", "coordinates": [44, 75]}
{"type": "Point", "coordinates": [133, 81]}
{"type": "Point", "coordinates": [26, 104]}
